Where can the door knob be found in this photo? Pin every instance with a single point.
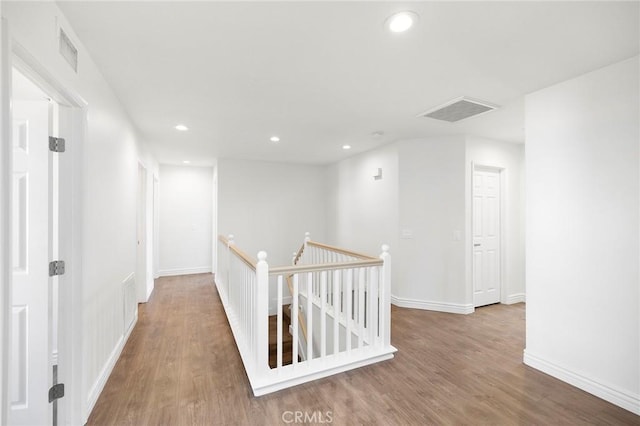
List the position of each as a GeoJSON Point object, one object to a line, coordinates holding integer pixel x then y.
{"type": "Point", "coordinates": [476, 245]}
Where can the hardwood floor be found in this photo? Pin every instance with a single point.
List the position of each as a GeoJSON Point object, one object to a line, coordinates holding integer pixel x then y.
{"type": "Point", "coordinates": [181, 367]}
{"type": "Point", "coordinates": [287, 339]}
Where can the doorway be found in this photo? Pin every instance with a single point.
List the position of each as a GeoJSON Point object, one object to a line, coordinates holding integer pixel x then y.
{"type": "Point", "coordinates": [486, 231]}
{"type": "Point", "coordinates": [33, 358]}
{"type": "Point", "coordinates": [42, 310]}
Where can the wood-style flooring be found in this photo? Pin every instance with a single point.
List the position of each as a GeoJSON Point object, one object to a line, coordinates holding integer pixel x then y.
{"type": "Point", "coordinates": [181, 367]}
{"type": "Point", "coordinates": [287, 339]}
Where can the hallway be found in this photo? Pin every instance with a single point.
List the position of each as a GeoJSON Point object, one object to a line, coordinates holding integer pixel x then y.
{"type": "Point", "coordinates": [181, 367]}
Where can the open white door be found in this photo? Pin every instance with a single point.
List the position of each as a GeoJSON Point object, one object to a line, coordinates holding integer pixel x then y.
{"type": "Point", "coordinates": [30, 374]}
{"type": "Point", "coordinates": [486, 236]}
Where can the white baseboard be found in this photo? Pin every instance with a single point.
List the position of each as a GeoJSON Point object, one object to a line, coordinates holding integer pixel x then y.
{"type": "Point", "coordinates": [516, 298]}
{"type": "Point", "coordinates": [101, 381]}
{"type": "Point", "coordinates": [453, 308]}
{"type": "Point", "coordinates": [184, 271]}
{"type": "Point", "coordinates": [618, 397]}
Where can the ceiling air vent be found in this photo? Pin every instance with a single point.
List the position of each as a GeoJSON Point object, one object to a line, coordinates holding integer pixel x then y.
{"type": "Point", "coordinates": [459, 109]}
{"type": "Point", "coordinates": [68, 50]}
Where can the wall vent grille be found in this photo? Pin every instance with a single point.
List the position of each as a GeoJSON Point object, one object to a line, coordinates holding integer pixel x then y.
{"type": "Point", "coordinates": [68, 51]}
{"type": "Point", "coordinates": [459, 109]}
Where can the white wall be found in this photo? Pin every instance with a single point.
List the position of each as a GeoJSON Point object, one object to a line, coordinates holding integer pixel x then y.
{"type": "Point", "coordinates": [421, 208]}
{"type": "Point", "coordinates": [510, 158]}
{"type": "Point", "coordinates": [432, 210]}
{"type": "Point", "coordinates": [107, 195]}
{"type": "Point", "coordinates": [269, 206]}
{"type": "Point", "coordinates": [583, 195]}
{"type": "Point", "coordinates": [186, 209]}
{"type": "Point", "coordinates": [362, 213]}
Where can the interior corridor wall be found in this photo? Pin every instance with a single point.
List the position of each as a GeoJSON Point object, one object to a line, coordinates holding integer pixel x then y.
{"type": "Point", "coordinates": [362, 212]}
{"type": "Point", "coordinates": [269, 206]}
{"type": "Point", "coordinates": [185, 212]}
{"type": "Point", "coordinates": [106, 219]}
{"type": "Point", "coordinates": [510, 158]}
{"type": "Point", "coordinates": [583, 232]}
{"type": "Point", "coordinates": [432, 225]}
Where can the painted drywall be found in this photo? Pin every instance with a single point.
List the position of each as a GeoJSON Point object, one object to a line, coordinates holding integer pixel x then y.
{"type": "Point", "coordinates": [419, 207]}
{"type": "Point", "coordinates": [583, 195]}
{"type": "Point", "coordinates": [269, 206]}
{"type": "Point", "coordinates": [432, 225]}
{"type": "Point", "coordinates": [106, 218]}
{"type": "Point", "coordinates": [362, 211]}
{"type": "Point", "coordinates": [186, 208]}
{"type": "Point", "coordinates": [510, 158]}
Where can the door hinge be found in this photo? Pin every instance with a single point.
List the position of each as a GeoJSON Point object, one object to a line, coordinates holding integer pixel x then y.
{"type": "Point", "coordinates": [56, 268]}
{"type": "Point", "coordinates": [56, 392]}
{"type": "Point", "coordinates": [56, 144]}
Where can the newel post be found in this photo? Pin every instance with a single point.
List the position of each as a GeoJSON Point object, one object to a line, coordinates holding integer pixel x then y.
{"type": "Point", "coordinates": [262, 313]}
{"type": "Point", "coordinates": [385, 296]}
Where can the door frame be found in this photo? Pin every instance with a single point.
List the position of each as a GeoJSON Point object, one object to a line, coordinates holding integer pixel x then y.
{"type": "Point", "coordinates": [502, 173]}
{"type": "Point", "coordinates": [142, 228]}
{"type": "Point", "coordinates": [70, 249]}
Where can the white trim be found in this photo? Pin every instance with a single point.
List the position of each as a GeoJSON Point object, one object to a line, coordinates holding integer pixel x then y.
{"type": "Point", "coordinates": [502, 176]}
{"type": "Point", "coordinates": [287, 376]}
{"type": "Point", "coordinates": [184, 271]}
{"type": "Point", "coordinates": [333, 364]}
{"type": "Point", "coordinates": [71, 220]}
{"type": "Point", "coordinates": [515, 298]}
{"type": "Point", "coordinates": [5, 214]}
{"type": "Point", "coordinates": [452, 308]}
{"type": "Point", "coordinates": [101, 381]}
{"type": "Point", "coordinates": [619, 397]}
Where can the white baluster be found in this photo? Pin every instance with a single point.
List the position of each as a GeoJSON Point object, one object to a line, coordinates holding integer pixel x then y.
{"type": "Point", "coordinates": [349, 307]}
{"type": "Point", "coordinates": [373, 321]}
{"type": "Point", "coordinates": [323, 314]}
{"type": "Point", "coordinates": [336, 310]}
{"type": "Point", "coordinates": [279, 304]}
{"type": "Point", "coordinates": [361, 313]}
{"type": "Point", "coordinates": [294, 319]}
{"type": "Point", "coordinates": [385, 297]}
{"type": "Point", "coordinates": [261, 315]}
{"type": "Point", "coordinates": [309, 317]}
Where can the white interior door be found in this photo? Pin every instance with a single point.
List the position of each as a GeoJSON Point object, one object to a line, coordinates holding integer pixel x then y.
{"type": "Point", "coordinates": [30, 351]}
{"type": "Point", "coordinates": [486, 237]}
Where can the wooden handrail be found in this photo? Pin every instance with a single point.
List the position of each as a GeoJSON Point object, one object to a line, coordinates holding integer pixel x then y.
{"type": "Point", "coordinates": [248, 260]}
{"type": "Point", "coordinates": [297, 269]}
{"type": "Point", "coordinates": [244, 257]}
{"type": "Point", "coordinates": [340, 250]}
{"type": "Point", "coordinates": [298, 254]}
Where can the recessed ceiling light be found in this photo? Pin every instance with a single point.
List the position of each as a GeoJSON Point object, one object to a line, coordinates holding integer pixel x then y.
{"type": "Point", "coordinates": [274, 139]}
{"type": "Point", "coordinates": [346, 146]}
{"type": "Point", "coordinates": [401, 21]}
{"type": "Point", "coordinates": [186, 162]}
{"type": "Point", "coordinates": [182, 127]}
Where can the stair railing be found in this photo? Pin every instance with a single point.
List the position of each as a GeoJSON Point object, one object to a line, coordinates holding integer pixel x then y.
{"type": "Point", "coordinates": [346, 305]}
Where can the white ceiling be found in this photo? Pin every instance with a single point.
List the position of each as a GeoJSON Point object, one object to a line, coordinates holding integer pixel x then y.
{"type": "Point", "coordinates": [324, 74]}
